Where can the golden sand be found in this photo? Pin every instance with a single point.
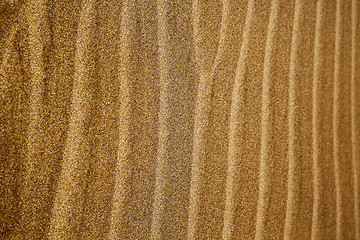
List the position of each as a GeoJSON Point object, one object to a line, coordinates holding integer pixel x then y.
{"type": "Point", "coordinates": [185, 119]}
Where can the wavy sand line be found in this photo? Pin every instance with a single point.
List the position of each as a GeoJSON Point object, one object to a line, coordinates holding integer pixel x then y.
{"type": "Point", "coordinates": [336, 123]}
{"type": "Point", "coordinates": [264, 178]}
{"type": "Point", "coordinates": [68, 202]}
{"type": "Point", "coordinates": [315, 121]}
{"type": "Point", "coordinates": [293, 185]}
{"type": "Point", "coordinates": [37, 171]}
{"type": "Point", "coordinates": [123, 166]}
{"type": "Point", "coordinates": [202, 110]}
{"type": "Point", "coordinates": [354, 118]}
{"type": "Point", "coordinates": [235, 124]}
{"type": "Point", "coordinates": [164, 54]}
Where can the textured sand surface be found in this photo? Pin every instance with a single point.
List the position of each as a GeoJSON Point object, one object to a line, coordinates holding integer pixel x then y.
{"type": "Point", "coordinates": [184, 119]}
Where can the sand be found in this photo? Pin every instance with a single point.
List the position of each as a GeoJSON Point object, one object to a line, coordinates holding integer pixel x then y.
{"type": "Point", "coordinates": [186, 119]}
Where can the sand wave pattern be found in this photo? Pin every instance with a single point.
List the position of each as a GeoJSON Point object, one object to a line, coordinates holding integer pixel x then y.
{"type": "Point", "coordinates": [185, 119]}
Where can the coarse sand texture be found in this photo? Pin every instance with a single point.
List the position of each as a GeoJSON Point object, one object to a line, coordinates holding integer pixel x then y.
{"type": "Point", "coordinates": [180, 119]}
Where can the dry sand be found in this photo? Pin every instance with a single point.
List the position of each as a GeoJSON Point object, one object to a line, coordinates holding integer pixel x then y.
{"type": "Point", "coordinates": [186, 119]}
